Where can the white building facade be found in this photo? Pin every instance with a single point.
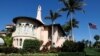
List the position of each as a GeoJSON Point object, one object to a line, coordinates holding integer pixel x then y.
{"type": "Point", "coordinates": [31, 28]}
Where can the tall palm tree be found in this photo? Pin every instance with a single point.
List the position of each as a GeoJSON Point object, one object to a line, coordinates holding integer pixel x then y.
{"type": "Point", "coordinates": [96, 37]}
{"type": "Point", "coordinates": [53, 16]}
{"type": "Point", "coordinates": [71, 6]}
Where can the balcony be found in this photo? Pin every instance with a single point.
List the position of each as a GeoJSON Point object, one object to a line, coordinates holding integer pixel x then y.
{"type": "Point", "coordinates": [16, 34]}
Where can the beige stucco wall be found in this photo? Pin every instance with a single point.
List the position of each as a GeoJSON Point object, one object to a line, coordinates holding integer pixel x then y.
{"type": "Point", "coordinates": [55, 36]}
{"type": "Point", "coordinates": [58, 38]}
{"type": "Point", "coordinates": [44, 34]}
{"type": "Point", "coordinates": [37, 31]}
{"type": "Point", "coordinates": [24, 31]}
{"type": "Point", "coordinates": [17, 42]}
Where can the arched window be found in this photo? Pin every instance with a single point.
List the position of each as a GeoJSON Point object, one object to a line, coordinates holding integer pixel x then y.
{"type": "Point", "coordinates": [22, 24]}
{"type": "Point", "coordinates": [20, 42]}
{"type": "Point", "coordinates": [27, 24]}
{"type": "Point", "coordinates": [19, 24]}
{"type": "Point", "coordinates": [17, 41]}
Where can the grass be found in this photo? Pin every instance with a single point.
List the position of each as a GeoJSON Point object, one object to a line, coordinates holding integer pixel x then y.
{"type": "Point", "coordinates": [91, 52]}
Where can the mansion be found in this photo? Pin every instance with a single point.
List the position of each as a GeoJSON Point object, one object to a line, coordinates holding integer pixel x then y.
{"type": "Point", "coordinates": [35, 28]}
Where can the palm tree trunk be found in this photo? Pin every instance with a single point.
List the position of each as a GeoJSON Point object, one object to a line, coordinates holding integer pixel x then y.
{"type": "Point", "coordinates": [72, 35]}
{"type": "Point", "coordinates": [52, 35]}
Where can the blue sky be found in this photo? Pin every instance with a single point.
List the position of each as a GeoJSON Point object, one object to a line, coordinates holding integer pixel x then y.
{"type": "Point", "coordinates": [10, 9]}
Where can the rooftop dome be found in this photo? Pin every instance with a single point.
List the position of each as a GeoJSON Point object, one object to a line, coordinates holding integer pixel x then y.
{"type": "Point", "coordinates": [27, 18]}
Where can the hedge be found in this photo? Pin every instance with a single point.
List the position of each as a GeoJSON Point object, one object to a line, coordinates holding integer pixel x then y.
{"type": "Point", "coordinates": [72, 54]}
{"type": "Point", "coordinates": [31, 45]}
{"type": "Point", "coordinates": [70, 46]}
{"type": "Point", "coordinates": [8, 50]}
{"type": "Point", "coordinates": [47, 54]}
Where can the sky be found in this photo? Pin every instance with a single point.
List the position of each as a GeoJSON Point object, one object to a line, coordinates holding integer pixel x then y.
{"type": "Point", "coordinates": [10, 9]}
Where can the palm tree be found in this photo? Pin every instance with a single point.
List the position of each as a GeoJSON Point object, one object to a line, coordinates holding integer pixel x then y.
{"type": "Point", "coordinates": [53, 16]}
{"type": "Point", "coordinates": [70, 6]}
{"type": "Point", "coordinates": [67, 27]}
{"type": "Point", "coordinates": [96, 37]}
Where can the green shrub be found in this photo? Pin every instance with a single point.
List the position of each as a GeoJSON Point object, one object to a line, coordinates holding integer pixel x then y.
{"type": "Point", "coordinates": [80, 47]}
{"type": "Point", "coordinates": [70, 46]}
{"type": "Point", "coordinates": [71, 54]}
{"type": "Point", "coordinates": [7, 50]}
{"type": "Point", "coordinates": [22, 51]}
{"type": "Point", "coordinates": [31, 45]}
{"type": "Point", "coordinates": [96, 44]}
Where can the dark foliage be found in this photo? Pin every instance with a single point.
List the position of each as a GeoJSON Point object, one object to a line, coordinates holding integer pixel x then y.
{"type": "Point", "coordinates": [8, 50]}
{"type": "Point", "coordinates": [96, 44]}
{"type": "Point", "coordinates": [96, 37]}
{"type": "Point", "coordinates": [71, 54]}
{"type": "Point", "coordinates": [31, 45]}
{"type": "Point", "coordinates": [70, 46]}
{"type": "Point", "coordinates": [80, 46]}
{"type": "Point", "coordinates": [55, 50]}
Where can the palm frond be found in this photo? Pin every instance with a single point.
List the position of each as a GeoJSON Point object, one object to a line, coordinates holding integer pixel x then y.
{"type": "Point", "coordinates": [72, 5]}
{"type": "Point", "coordinates": [57, 14]}
{"type": "Point", "coordinates": [63, 9]}
{"type": "Point", "coordinates": [51, 13]}
{"type": "Point", "coordinates": [68, 13]}
{"type": "Point", "coordinates": [48, 17]}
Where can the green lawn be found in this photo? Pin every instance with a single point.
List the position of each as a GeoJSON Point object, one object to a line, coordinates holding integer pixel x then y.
{"type": "Point", "coordinates": [91, 52]}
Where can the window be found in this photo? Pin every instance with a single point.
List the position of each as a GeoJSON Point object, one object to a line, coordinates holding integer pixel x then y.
{"type": "Point", "coordinates": [27, 24]}
{"type": "Point", "coordinates": [19, 24]}
{"type": "Point", "coordinates": [20, 42]}
{"type": "Point", "coordinates": [22, 24]}
{"type": "Point", "coordinates": [17, 41]}
{"type": "Point", "coordinates": [34, 26]}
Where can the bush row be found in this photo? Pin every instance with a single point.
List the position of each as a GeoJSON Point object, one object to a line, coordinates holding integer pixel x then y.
{"type": "Point", "coordinates": [32, 46]}
{"type": "Point", "coordinates": [70, 46]}
{"type": "Point", "coordinates": [71, 54]}
{"type": "Point", "coordinates": [48, 54]}
{"type": "Point", "coordinates": [8, 50]}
